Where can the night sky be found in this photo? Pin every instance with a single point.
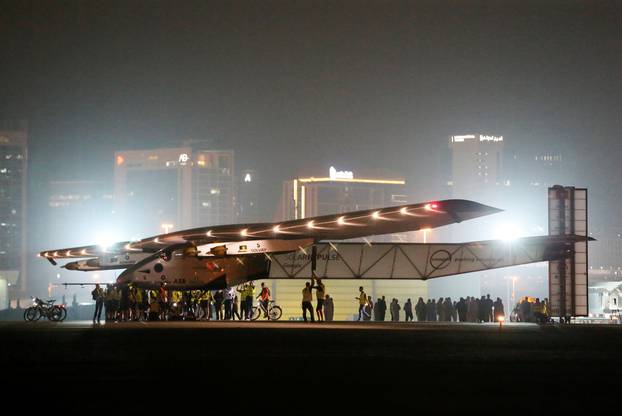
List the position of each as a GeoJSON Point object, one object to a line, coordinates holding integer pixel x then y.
{"type": "Point", "coordinates": [294, 84]}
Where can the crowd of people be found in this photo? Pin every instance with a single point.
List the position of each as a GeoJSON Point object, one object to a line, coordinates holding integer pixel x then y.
{"type": "Point", "coordinates": [131, 303]}
{"type": "Point", "coordinates": [532, 310]}
{"type": "Point", "coordinates": [469, 309]}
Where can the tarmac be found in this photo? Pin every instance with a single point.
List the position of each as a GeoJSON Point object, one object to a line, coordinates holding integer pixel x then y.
{"type": "Point", "coordinates": [446, 368]}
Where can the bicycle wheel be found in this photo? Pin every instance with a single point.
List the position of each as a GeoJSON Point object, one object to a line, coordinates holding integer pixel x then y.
{"type": "Point", "coordinates": [275, 313]}
{"type": "Point", "coordinates": [55, 314]}
{"type": "Point", "coordinates": [63, 314]}
{"type": "Point", "coordinates": [31, 314]}
{"type": "Point", "coordinates": [256, 313]}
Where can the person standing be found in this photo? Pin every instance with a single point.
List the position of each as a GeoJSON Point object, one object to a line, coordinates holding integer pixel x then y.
{"type": "Point", "coordinates": [329, 308]}
{"type": "Point", "coordinates": [229, 295]}
{"type": "Point", "coordinates": [498, 305]}
{"type": "Point", "coordinates": [242, 290]}
{"type": "Point", "coordinates": [369, 308]}
{"type": "Point", "coordinates": [264, 299]}
{"type": "Point", "coordinates": [236, 314]}
{"type": "Point", "coordinates": [461, 306]}
{"type": "Point", "coordinates": [420, 310]}
{"type": "Point", "coordinates": [408, 310]}
{"type": "Point", "coordinates": [382, 309]}
{"type": "Point", "coordinates": [218, 299]}
{"type": "Point", "coordinates": [307, 298]}
{"type": "Point", "coordinates": [98, 297]}
{"type": "Point", "coordinates": [320, 292]}
{"type": "Point", "coordinates": [395, 310]}
{"type": "Point", "coordinates": [362, 298]}
{"type": "Point", "coordinates": [377, 310]}
{"type": "Point", "coordinates": [205, 304]}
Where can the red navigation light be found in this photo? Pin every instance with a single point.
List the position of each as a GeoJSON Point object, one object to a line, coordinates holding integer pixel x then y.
{"type": "Point", "coordinates": [431, 206]}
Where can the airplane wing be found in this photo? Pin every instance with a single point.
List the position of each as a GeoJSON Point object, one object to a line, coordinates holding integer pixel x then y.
{"type": "Point", "coordinates": [344, 226]}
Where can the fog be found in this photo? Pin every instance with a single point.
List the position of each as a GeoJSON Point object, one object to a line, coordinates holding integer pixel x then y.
{"type": "Point", "coordinates": [293, 88]}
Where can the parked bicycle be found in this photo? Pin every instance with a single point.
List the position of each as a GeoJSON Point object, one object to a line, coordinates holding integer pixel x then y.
{"type": "Point", "coordinates": [40, 308]}
{"type": "Point", "coordinates": [273, 313]}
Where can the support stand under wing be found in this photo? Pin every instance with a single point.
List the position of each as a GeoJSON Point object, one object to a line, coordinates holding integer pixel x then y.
{"type": "Point", "coordinates": [418, 261]}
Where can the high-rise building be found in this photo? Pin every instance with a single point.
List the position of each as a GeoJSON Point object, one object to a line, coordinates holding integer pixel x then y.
{"type": "Point", "coordinates": [247, 197]}
{"type": "Point", "coordinates": [476, 166]}
{"type": "Point", "coordinates": [13, 247]}
{"type": "Point", "coordinates": [161, 190]}
{"type": "Point", "coordinates": [339, 192]}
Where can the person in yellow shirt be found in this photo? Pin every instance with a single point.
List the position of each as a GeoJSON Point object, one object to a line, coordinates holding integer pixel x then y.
{"type": "Point", "coordinates": [362, 298]}
{"type": "Point", "coordinates": [307, 298]}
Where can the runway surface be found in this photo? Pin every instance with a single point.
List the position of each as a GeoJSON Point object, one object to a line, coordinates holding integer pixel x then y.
{"type": "Point", "coordinates": [447, 367]}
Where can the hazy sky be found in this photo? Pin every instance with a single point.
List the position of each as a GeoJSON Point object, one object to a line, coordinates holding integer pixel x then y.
{"type": "Point", "coordinates": [294, 83]}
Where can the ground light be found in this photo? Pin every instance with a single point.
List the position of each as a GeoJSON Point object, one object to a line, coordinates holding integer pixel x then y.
{"type": "Point", "coordinates": [501, 319]}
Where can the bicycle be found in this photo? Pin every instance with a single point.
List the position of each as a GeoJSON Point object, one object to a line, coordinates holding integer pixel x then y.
{"type": "Point", "coordinates": [274, 311]}
{"type": "Point", "coordinates": [40, 308]}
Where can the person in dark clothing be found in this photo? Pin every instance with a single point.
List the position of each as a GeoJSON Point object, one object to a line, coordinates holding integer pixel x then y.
{"type": "Point", "coordinates": [369, 309]}
{"type": "Point", "coordinates": [432, 316]}
{"type": "Point", "coordinates": [395, 310]}
{"type": "Point", "coordinates": [461, 306]}
{"type": "Point", "coordinates": [408, 310]}
{"type": "Point", "coordinates": [488, 309]}
{"type": "Point", "coordinates": [382, 308]}
{"type": "Point", "coordinates": [420, 310]}
{"type": "Point", "coordinates": [377, 310]}
{"type": "Point", "coordinates": [498, 305]}
{"type": "Point", "coordinates": [124, 304]}
{"type": "Point", "coordinates": [481, 309]}
{"type": "Point", "coordinates": [98, 297]}
{"type": "Point", "coordinates": [218, 299]}
{"type": "Point", "coordinates": [448, 309]}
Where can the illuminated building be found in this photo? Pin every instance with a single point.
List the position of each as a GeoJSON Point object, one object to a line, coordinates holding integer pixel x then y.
{"type": "Point", "coordinates": [181, 187]}
{"type": "Point", "coordinates": [476, 166]}
{"type": "Point", "coordinates": [247, 197]}
{"type": "Point", "coordinates": [13, 169]}
{"type": "Point", "coordinates": [338, 192]}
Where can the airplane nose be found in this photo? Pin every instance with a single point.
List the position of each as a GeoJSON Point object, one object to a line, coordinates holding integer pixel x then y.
{"type": "Point", "coordinates": [125, 278]}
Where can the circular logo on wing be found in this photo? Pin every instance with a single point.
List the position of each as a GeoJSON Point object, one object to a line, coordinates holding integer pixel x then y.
{"type": "Point", "coordinates": [440, 259]}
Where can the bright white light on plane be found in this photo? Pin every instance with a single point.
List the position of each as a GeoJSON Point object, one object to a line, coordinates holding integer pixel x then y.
{"type": "Point", "coordinates": [341, 220]}
{"type": "Point", "coordinates": [508, 232]}
{"type": "Point", "coordinates": [310, 224]}
{"type": "Point", "coordinates": [244, 232]}
{"type": "Point", "coordinates": [68, 253]}
{"type": "Point", "coordinates": [431, 206]}
{"type": "Point", "coordinates": [376, 215]}
{"type": "Point", "coordinates": [83, 251]}
{"type": "Point", "coordinates": [55, 254]}
{"type": "Point", "coordinates": [276, 229]}
{"type": "Point", "coordinates": [209, 233]}
{"type": "Point", "coordinates": [403, 210]}
{"type": "Point", "coordinates": [104, 241]}
{"type": "Point", "coordinates": [127, 246]}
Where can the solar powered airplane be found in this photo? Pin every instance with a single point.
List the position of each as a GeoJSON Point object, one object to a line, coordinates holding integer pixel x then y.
{"type": "Point", "coordinates": [224, 256]}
